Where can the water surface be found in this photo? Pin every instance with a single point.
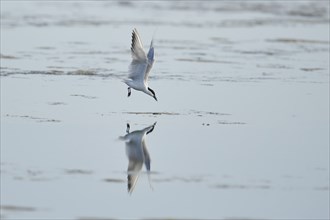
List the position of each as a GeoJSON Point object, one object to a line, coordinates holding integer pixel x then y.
{"type": "Point", "coordinates": [242, 118]}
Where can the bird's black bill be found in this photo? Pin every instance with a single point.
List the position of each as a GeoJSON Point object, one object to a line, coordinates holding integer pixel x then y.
{"type": "Point", "coordinates": [152, 128]}
{"type": "Point", "coordinates": [153, 93]}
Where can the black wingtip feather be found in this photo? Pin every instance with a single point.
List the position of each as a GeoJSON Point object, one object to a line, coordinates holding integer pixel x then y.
{"type": "Point", "coordinates": [133, 39]}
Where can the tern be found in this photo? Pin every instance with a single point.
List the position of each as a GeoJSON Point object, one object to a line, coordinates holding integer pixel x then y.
{"type": "Point", "coordinates": [140, 66]}
{"type": "Point", "coordinates": [137, 153]}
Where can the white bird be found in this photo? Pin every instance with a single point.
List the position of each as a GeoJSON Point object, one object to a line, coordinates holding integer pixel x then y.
{"type": "Point", "coordinates": [137, 153]}
{"type": "Point", "coordinates": [140, 66]}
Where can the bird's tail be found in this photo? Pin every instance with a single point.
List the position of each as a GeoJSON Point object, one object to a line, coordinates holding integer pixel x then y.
{"type": "Point", "coordinates": [122, 138]}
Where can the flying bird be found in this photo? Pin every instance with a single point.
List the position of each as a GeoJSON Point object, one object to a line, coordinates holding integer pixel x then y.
{"type": "Point", "coordinates": [140, 66]}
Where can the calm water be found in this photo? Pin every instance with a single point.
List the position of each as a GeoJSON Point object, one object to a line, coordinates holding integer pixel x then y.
{"type": "Point", "coordinates": [242, 121]}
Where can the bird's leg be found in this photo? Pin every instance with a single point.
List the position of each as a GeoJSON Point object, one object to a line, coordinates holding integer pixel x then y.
{"type": "Point", "coordinates": [129, 91]}
{"type": "Point", "coordinates": [127, 128]}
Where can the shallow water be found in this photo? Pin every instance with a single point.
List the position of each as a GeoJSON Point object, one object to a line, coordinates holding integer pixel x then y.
{"type": "Point", "coordinates": [242, 119]}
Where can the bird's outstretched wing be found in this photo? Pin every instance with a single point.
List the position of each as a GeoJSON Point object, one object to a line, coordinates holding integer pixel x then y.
{"type": "Point", "coordinates": [139, 62]}
{"type": "Point", "coordinates": [150, 57]}
{"type": "Point", "coordinates": [137, 47]}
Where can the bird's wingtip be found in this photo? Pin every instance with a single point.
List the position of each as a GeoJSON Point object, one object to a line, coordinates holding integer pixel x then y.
{"type": "Point", "coordinates": [134, 30]}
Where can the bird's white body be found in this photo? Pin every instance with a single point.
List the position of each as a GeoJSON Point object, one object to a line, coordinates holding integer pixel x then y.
{"type": "Point", "coordinates": [137, 85]}
{"type": "Point", "coordinates": [140, 66]}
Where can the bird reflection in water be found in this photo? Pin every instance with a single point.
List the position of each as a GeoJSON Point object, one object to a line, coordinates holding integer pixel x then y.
{"type": "Point", "coordinates": [137, 153]}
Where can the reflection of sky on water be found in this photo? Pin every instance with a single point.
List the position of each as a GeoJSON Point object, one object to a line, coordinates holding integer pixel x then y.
{"type": "Point", "coordinates": [230, 39]}
{"type": "Point", "coordinates": [195, 156]}
{"type": "Point", "coordinates": [242, 117]}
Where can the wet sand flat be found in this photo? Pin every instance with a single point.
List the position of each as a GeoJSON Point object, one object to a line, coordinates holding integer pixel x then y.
{"type": "Point", "coordinates": [241, 128]}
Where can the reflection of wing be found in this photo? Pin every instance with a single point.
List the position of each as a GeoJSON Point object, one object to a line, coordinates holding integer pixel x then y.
{"type": "Point", "coordinates": [131, 182]}
{"type": "Point", "coordinates": [135, 158]}
{"type": "Point", "coordinates": [133, 170]}
{"type": "Point", "coordinates": [135, 164]}
{"type": "Point", "coordinates": [146, 155]}
{"type": "Point", "coordinates": [134, 150]}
